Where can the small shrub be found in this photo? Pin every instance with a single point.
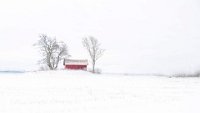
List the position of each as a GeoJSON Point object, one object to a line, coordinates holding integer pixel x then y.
{"type": "Point", "coordinates": [96, 71]}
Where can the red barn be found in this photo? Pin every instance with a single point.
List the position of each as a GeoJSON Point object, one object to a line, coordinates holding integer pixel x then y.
{"type": "Point", "coordinates": [75, 64]}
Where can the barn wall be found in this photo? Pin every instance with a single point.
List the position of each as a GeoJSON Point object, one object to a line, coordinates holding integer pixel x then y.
{"type": "Point", "coordinates": [76, 67]}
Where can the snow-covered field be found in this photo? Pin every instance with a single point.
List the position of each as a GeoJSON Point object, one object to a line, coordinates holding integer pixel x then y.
{"type": "Point", "coordinates": [82, 92]}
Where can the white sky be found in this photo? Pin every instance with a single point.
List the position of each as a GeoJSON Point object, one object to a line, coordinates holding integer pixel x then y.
{"type": "Point", "coordinates": [140, 36]}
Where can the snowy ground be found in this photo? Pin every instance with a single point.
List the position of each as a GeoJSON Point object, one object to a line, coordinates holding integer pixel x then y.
{"type": "Point", "coordinates": [82, 92]}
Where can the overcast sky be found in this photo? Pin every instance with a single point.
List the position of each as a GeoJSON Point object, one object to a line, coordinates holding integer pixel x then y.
{"type": "Point", "coordinates": [140, 36]}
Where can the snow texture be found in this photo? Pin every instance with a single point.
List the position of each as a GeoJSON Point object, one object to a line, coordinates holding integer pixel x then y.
{"type": "Point", "coordinates": [83, 92]}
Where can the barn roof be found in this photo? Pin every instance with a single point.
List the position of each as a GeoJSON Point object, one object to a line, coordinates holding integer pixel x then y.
{"type": "Point", "coordinates": [75, 62]}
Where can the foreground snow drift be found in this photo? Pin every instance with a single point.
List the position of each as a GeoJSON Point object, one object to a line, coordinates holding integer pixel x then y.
{"type": "Point", "coordinates": [82, 92]}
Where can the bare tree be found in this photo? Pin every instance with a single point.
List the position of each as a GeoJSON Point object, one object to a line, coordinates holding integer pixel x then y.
{"type": "Point", "coordinates": [93, 47]}
{"type": "Point", "coordinates": [51, 50]}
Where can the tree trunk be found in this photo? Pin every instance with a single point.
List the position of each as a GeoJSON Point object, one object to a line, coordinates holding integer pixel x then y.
{"type": "Point", "coordinates": [93, 67]}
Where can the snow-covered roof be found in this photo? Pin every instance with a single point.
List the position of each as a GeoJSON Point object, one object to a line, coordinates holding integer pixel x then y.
{"type": "Point", "coordinates": [75, 62]}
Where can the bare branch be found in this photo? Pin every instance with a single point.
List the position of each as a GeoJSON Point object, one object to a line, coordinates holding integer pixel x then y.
{"type": "Point", "coordinates": [51, 50]}
{"type": "Point", "coordinates": [93, 47]}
